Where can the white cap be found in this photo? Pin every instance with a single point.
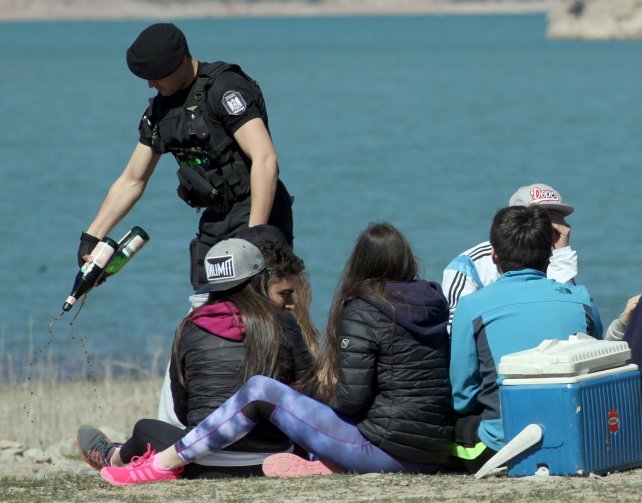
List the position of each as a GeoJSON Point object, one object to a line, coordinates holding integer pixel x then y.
{"type": "Point", "coordinates": [542, 195]}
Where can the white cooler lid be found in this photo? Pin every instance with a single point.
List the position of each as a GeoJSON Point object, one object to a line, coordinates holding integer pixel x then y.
{"type": "Point", "coordinates": [580, 354]}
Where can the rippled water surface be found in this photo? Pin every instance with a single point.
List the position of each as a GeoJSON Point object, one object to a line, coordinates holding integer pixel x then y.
{"type": "Point", "coordinates": [428, 122]}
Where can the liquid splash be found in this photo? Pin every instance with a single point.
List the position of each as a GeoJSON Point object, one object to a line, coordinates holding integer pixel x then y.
{"type": "Point", "coordinates": [82, 304]}
{"type": "Point", "coordinates": [54, 320]}
{"type": "Point", "coordinates": [92, 374]}
{"type": "Point", "coordinates": [30, 391]}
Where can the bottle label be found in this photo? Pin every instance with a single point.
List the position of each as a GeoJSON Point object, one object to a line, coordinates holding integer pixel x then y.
{"type": "Point", "coordinates": [101, 254]}
{"type": "Point", "coordinates": [71, 300]}
{"type": "Point", "coordinates": [133, 246]}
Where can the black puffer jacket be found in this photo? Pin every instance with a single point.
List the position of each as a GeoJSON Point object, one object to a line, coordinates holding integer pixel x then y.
{"type": "Point", "coordinates": [393, 377]}
{"type": "Point", "coordinates": [213, 367]}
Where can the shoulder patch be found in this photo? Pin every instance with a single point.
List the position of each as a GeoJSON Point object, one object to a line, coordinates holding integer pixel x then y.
{"type": "Point", "coordinates": [234, 103]}
{"type": "Point", "coordinates": [344, 343]}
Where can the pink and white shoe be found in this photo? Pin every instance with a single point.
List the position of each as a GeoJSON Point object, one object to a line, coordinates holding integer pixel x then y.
{"type": "Point", "coordinates": [140, 470]}
{"type": "Point", "coordinates": [291, 465]}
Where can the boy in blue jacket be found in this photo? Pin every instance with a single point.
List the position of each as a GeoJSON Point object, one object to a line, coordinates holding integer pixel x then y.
{"type": "Point", "coordinates": [517, 312]}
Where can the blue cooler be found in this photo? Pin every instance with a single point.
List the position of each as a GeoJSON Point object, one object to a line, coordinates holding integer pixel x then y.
{"type": "Point", "coordinates": [585, 399]}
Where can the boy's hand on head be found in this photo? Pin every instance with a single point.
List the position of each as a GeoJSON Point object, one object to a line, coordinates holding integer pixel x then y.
{"type": "Point", "coordinates": [561, 230]}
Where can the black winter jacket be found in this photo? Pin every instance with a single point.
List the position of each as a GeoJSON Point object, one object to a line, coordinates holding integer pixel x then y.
{"type": "Point", "coordinates": [393, 376]}
{"type": "Point", "coordinates": [214, 368]}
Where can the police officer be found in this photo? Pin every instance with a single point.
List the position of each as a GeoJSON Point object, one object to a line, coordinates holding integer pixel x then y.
{"type": "Point", "coordinates": [212, 119]}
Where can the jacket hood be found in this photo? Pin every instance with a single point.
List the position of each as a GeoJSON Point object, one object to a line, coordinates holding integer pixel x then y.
{"type": "Point", "coordinates": [419, 306]}
{"type": "Point", "coordinates": [222, 319]}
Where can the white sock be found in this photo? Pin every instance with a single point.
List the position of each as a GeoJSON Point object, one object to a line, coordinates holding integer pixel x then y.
{"type": "Point", "coordinates": [158, 465]}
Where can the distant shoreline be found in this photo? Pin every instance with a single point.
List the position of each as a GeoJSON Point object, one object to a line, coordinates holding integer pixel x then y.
{"type": "Point", "coordinates": [76, 10]}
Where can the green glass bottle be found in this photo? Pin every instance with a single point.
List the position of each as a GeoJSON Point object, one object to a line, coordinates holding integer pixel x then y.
{"type": "Point", "coordinates": [91, 272]}
{"type": "Point", "coordinates": [130, 244]}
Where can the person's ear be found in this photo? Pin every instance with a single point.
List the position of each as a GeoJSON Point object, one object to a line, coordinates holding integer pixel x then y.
{"type": "Point", "coordinates": [493, 255]}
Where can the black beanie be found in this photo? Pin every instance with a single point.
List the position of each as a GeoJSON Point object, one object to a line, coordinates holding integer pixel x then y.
{"type": "Point", "coordinates": [157, 52]}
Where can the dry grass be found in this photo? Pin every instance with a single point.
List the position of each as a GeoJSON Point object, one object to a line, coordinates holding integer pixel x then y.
{"type": "Point", "coordinates": [44, 403]}
{"type": "Point", "coordinates": [41, 414]}
{"type": "Point", "coordinates": [391, 488]}
{"type": "Point", "coordinates": [37, 413]}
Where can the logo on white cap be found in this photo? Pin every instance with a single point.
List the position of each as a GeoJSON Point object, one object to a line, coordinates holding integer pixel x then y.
{"type": "Point", "coordinates": [539, 196]}
{"type": "Point", "coordinates": [220, 267]}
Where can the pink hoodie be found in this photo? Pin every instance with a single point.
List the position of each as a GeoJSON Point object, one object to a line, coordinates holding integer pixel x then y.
{"type": "Point", "coordinates": [222, 319]}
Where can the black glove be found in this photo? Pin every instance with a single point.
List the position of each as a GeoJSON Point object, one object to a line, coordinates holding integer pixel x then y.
{"type": "Point", "coordinates": [87, 244]}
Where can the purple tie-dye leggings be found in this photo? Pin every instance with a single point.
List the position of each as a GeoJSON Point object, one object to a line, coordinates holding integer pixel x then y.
{"type": "Point", "coordinates": [311, 424]}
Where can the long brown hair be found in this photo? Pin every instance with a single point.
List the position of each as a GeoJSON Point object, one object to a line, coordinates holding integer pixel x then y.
{"type": "Point", "coordinates": [262, 330]}
{"type": "Point", "coordinates": [283, 262]}
{"type": "Point", "coordinates": [301, 313]}
{"type": "Point", "coordinates": [381, 254]}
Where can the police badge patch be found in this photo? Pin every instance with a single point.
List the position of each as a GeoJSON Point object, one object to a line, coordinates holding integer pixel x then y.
{"type": "Point", "coordinates": [234, 102]}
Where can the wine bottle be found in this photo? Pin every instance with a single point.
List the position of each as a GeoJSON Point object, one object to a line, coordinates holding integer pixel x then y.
{"type": "Point", "coordinates": [91, 271]}
{"type": "Point", "coordinates": [128, 246]}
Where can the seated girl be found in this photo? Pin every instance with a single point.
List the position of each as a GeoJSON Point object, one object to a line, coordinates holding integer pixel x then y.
{"type": "Point", "coordinates": [237, 334]}
{"type": "Point", "coordinates": [287, 287]}
{"type": "Point", "coordinates": [379, 400]}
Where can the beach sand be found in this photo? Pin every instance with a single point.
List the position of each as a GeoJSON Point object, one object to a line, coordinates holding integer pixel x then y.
{"type": "Point", "coordinates": [43, 10]}
{"type": "Point", "coordinates": [39, 460]}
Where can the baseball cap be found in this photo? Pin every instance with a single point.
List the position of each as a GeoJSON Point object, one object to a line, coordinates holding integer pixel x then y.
{"type": "Point", "coordinates": [230, 263]}
{"type": "Point", "coordinates": [542, 195]}
{"type": "Point", "coordinates": [157, 51]}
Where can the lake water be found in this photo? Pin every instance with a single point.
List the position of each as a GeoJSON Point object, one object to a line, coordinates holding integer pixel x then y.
{"type": "Point", "coordinates": [429, 122]}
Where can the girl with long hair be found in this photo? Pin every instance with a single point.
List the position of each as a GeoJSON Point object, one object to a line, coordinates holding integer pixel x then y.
{"type": "Point", "coordinates": [238, 333]}
{"type": "Point", "coordinates": [381, 383]}
{"type": "Point", "coordinates": [289, 288]}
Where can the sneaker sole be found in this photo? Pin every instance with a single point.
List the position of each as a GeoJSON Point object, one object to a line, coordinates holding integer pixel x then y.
{"type": "Point", "coordinates": [107, 476]}
{"type": "Point", "coordinates": [91, 463]}
{"type": "Point", "coordinates": [291, 465]}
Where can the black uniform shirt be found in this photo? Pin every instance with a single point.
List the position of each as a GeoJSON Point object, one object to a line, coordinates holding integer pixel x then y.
{"type": "Point", "coordinates": [232, 101]}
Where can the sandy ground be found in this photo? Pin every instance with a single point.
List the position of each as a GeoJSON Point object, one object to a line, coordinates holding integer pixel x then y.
{"type": "Point", "coordinates": [46, 482]}
{"type": "Point", "coordinates": [38, 422]}
{"type": "Point", "coordinates": [16, 10]}
{"type": "Point", "coordinates": [39, 460]}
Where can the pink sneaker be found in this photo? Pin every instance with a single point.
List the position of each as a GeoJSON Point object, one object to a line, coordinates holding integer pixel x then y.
{"type": "Point", "coordinates": [291, 465]}
{"type": "Point", "coordinates": [140, 470]}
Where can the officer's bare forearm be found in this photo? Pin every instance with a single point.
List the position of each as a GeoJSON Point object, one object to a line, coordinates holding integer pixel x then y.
{"type": "Point", "coordinates": [125, 191]}
{"type": "Point", "coordinates": [121, 198]}
{"type": "Point", "coordinates": [263, 177]}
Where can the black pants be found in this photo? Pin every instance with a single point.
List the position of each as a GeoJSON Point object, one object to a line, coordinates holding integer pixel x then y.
{"type": "Point", "coordinates": [466, 435]}
{"type": "Point", "coordinates": [161, 435]}
{"type": "Point", "coordinates": [214, 227]}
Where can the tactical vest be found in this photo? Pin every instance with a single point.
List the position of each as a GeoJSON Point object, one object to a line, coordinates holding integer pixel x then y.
{"type": "Point", "coordinates": [213, 171]}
